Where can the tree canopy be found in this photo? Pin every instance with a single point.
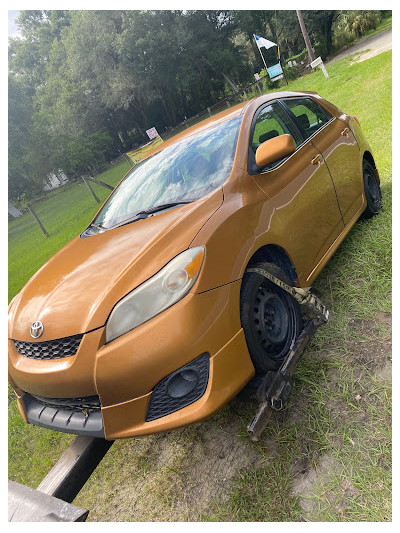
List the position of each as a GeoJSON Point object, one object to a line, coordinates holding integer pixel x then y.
{"type": "Point", "coordinates": [85, 85]}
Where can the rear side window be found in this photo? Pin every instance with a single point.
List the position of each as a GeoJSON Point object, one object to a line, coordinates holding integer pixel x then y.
{"type": "Point", "coordinates": [310, 116]}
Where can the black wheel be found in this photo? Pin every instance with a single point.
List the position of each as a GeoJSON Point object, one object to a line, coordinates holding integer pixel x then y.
{"type": "Point", "coordinates": [270, 317]}
{"type": "Point", "coordinates": [372, 190]}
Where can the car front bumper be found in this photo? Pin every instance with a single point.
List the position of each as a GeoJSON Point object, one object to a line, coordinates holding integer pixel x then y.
{"type": "Point", "coordinates": [125, 372]}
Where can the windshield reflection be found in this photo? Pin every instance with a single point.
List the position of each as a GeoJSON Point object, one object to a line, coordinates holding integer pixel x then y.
{"type": "Point", "coordinates": [185, 172]}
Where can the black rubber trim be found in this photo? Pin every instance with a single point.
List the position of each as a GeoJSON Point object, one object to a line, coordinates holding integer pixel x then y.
{"type": "Point", "coordinates": [161, 404]}
{"type": "Point", "coordinates": [64, 420]}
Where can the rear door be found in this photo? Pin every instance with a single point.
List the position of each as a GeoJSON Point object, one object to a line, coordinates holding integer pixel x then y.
{"type": "Point", "coordinates": [334, 139]}
{"type": "Point", "coordinates": [300, 188]}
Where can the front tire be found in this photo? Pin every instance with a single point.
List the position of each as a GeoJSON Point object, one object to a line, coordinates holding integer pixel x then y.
{"type": "Point", "coordinates": [372, 190]}
{"type": "Point", "coordinates": [270, 317]}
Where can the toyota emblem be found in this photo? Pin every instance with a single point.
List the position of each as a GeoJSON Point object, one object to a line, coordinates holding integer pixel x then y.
{"type": "Point", "coordinates": [37, 329]}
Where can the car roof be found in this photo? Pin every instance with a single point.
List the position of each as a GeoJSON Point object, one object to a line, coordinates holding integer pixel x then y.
{"type": "Point", "coordinates": [222, 116]}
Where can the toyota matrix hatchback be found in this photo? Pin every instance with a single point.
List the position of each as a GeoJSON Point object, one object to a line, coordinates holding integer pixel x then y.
{"type": "Point", "coordinates": [148, 320]}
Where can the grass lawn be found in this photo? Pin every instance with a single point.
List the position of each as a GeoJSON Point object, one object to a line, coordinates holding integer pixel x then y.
{"type": "Point", "coordinates": [327, 457]}
{"type": "Point", "coordinates": [64, 213]}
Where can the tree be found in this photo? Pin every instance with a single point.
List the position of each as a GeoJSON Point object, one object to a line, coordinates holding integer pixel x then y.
{"type": "Point", "coordinates": [84, 85]}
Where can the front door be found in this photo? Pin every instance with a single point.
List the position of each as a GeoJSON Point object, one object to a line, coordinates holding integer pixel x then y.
{"type": "Point", "coordinates": [301, 190]}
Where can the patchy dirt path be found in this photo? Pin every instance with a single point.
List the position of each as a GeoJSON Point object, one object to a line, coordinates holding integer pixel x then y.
{"type": "Point", "coordinates": [369, 47]}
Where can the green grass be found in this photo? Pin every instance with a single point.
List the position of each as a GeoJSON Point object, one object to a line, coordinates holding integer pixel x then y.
{"type": "Point", "coordinates": [64, 213]}
{"type": "Point", "coordinates": [325, 458]}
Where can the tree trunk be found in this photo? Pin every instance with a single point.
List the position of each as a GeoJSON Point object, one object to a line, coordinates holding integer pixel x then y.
{"type": "Point", "coordinates": [231, 83]}
{"type": "Point", "coordinates": [122, 132]}
{"type": "Point", "coordinates": [328, 33]}
{"type": "Point", "coordinates": [207, 82]}
{"type": "Point", "coordinates": [168, 114]}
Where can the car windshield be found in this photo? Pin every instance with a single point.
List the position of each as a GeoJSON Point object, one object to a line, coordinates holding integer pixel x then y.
{"type": "Point", "coordinates": [183, 172]}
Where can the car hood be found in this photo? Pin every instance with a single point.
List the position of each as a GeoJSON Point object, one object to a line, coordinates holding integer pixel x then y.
{"type": "Point", "coordinates": [76, 289]}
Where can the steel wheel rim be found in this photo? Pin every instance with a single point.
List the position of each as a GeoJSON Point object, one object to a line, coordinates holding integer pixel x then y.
{"type": "Point", "coordinates": [271, 319]}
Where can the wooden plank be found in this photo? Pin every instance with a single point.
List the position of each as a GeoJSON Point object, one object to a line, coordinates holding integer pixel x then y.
{"type": "Point", "coordinates": [90, 189]}
{"type": "Point", "coordinates": [74, 468]}
{"type": "Point", "coordinates": [101, 183]}
{"type": "Point", "coordinates": [37, 219]}
{"type": "Point", "coordinates": [30, 505]}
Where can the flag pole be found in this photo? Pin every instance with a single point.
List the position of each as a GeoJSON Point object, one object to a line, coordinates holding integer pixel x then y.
{"type": "Point", "coordinates": [259, 49]}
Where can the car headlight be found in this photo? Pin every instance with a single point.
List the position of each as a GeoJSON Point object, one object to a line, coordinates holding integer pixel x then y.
{"type": "Point", "coordinates": [156, 294]}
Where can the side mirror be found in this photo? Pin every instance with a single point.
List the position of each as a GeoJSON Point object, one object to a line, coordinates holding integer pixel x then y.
{"type": "Point", "coordinates": [274, 149]}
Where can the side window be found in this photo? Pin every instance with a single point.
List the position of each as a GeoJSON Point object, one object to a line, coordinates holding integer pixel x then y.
{"type": "Point", "coordinates": [271, 122]}
{"type": "Point", "coordinates": [309, 114]}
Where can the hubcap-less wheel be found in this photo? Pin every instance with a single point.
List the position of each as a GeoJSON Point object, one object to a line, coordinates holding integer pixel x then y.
{"type": "Point", "coordinates": [372, 190]}
{"type": "Point", "coordinates": [270, 317]}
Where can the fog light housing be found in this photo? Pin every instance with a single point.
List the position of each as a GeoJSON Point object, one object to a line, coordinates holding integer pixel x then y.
{"type": "Point", "coordinates": [179, 389]}
{"type": "Point", "coordinates": [182, 383]}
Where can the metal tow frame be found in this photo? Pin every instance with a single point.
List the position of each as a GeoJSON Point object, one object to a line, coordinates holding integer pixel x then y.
{"type": "Point", "coordinates": [276, 385]}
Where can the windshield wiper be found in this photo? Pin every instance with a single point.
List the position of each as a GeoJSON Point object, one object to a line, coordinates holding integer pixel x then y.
{"type": "Point", "coordinates": [160, 207]}
{"type": "Point", "coordinates": [146, 212]}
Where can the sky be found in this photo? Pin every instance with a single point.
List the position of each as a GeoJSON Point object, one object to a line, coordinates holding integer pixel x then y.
{"type": "Point", "coordinates": [12, 27]}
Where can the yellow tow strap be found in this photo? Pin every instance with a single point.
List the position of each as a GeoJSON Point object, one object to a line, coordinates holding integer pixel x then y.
{"type": "Point", "coordinates": [304, 297]}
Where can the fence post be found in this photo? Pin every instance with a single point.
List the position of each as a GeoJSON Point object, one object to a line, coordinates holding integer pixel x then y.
{"type": "Point", "coordinates": [37, 219]}
{"type": "Point", "coordinates": [209, 111]}
{"type": "Point", "coordinates": [101, 183]}
{"type": "Point", "coordinates": [91, 190]}
{"type": "Point", "coordinates": [259, 88]}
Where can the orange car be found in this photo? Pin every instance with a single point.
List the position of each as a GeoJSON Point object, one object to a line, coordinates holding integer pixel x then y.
{"type": "Point", "coordinates": [148, 320]}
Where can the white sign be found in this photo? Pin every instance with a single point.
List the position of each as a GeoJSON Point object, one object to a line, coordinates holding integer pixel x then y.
{"type": "Point", "coordinates": [152, 133]}
{"type": "Point", "coordinates": [257, 76]}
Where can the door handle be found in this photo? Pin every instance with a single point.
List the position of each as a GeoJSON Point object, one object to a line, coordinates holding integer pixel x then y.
{"type": "Point", "coordinates": [345, 132]}
{"type": "Point", "coordinates": [316, 160]}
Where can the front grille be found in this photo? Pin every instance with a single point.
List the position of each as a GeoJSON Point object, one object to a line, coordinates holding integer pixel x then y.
{"type": "Point", "coordinates": [55, 349]}
{"type": "Point", "coordinates": [84, 405]}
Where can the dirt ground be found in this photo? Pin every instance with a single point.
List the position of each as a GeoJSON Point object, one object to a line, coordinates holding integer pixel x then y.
{"type": "Point", "coordinates": [186, 474]}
